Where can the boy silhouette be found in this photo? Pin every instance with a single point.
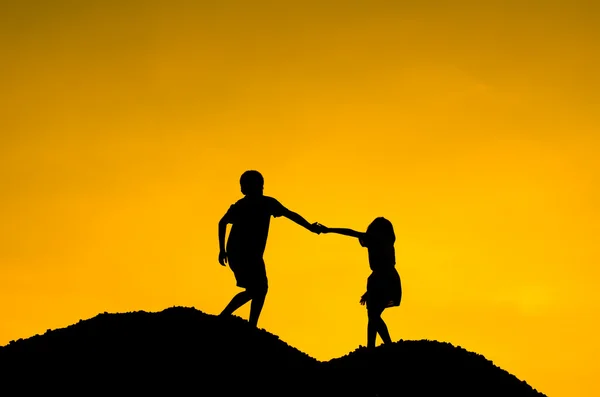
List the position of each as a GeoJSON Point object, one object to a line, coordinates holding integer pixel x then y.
{"type": "Point", "coordinates": [250, 219]}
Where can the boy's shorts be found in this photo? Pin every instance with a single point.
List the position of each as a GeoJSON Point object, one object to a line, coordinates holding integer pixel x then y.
{"type": "Point", "coordinates": [250, 273]}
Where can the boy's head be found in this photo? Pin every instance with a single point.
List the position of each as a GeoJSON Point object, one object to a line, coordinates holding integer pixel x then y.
{"type": "Point", "coordinates": [252, 183]}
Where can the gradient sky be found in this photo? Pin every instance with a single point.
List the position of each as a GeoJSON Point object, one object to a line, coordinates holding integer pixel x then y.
{"type": "Point", "coordinates": [472, 126]}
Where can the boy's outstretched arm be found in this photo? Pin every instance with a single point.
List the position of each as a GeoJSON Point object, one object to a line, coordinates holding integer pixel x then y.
{"type": "Point", "coordinates": [291, 215]}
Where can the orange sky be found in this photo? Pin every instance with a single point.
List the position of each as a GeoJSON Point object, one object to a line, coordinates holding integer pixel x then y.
{"type": "Point", "coordinates": [473, 127]}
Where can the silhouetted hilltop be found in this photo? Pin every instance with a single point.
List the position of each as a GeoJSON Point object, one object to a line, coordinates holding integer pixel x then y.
{"type": "Point", "coordinates": [425, 368]}
{"type": "Point", "coordinates": [183, 351]}
{"type": "Point", "coordinates": [179, 348]}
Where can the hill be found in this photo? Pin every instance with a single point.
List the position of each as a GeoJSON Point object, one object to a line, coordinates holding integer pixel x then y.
{"type": "Point", "coordinates": [183, 351]}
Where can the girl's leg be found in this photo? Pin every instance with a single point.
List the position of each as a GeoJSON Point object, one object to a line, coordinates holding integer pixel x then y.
{"type": "Point", "coordinates": [374, 325]}
{"type": "Point", "coordinates": [383, 331]}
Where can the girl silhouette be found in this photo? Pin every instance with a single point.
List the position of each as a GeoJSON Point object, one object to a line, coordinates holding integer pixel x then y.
{"type": "Point", "coordinates": [383, 285]}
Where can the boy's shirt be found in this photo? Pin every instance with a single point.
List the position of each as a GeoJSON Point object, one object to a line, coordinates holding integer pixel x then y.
{"type": "Point", "coordinates": [250, 218]}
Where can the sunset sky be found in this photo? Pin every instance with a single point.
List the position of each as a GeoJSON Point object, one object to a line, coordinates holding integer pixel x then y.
{"type": "Point", "coordinates": [473, 126]}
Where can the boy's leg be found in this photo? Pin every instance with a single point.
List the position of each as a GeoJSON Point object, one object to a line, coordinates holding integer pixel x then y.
{"type": "Point", "coordinates": [258, 296]}
{"type": "Point", "coordinates": [238, 301]}
{"type": "Point", "coordinates": [240, 268]}
{"type": "Point", "coordinates": [258, 286]}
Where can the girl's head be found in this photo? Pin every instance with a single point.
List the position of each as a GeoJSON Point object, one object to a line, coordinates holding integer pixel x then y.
{"type": "Point", "coordinates": [382, 230]}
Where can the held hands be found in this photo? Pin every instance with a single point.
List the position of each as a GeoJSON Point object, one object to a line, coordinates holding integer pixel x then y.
{"type": "Point", "coordinates": [318, 228]}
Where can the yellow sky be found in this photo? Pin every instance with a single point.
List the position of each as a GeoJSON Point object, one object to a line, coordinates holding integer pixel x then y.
{"type": "Point", "coordinates": [472, 126]}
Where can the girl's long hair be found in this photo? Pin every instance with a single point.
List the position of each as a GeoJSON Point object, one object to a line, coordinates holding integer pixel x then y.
{"type": "Point", "coordinates": [382, 231]}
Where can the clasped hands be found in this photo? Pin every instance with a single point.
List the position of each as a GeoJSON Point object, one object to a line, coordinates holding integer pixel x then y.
{"type": "Point", "coordinates": [318, 228]}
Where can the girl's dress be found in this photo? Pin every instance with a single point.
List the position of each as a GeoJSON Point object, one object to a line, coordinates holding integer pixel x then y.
{"type": "Point", "coordinates": [384, 288]}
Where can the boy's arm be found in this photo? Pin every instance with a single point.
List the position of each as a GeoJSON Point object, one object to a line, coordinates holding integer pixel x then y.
{"type": "Point", "coordinates": [222, 230]}
{"type": "Point", "coordinates": [291, 215]}
{"type": "Point", "coordinates": [228, 218]}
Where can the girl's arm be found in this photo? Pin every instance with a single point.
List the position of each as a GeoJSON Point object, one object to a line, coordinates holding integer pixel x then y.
{"type": "Point", "coordinates": [343, 231]}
